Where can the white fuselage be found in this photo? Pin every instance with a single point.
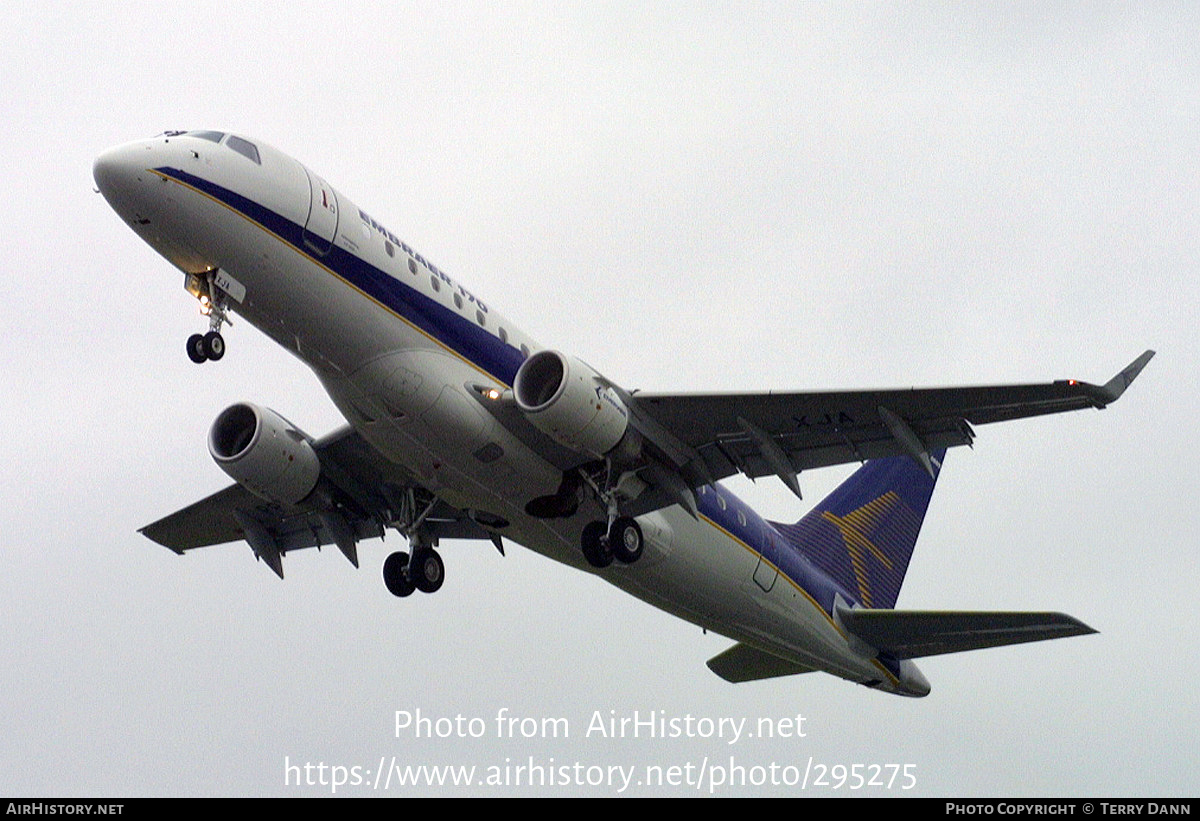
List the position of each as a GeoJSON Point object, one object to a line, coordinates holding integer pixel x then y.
{"type": "Point", "coordinates": [400, 347]}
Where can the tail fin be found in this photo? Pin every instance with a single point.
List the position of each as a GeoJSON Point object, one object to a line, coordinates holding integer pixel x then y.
{"type": "Point", "coordinates": [862, 535]}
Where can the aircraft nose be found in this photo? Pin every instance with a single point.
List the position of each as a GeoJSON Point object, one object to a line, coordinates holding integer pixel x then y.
{"type": "Point", "coordinates": [119, 172]}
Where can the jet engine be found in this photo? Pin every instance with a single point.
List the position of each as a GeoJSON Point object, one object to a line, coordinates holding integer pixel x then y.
{"type": "Point", "coordinates": [571, 403]}
{"type": "Point", "coordinates": [264, 453]}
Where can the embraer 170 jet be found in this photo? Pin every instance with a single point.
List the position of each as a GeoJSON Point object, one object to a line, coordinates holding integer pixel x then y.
{"type": "Point", "coordinates": [462, 427]}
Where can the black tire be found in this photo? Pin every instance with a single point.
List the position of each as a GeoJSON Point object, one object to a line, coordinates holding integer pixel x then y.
{"type": "Point", "coordinates": [595, 548]}
{"type": "Point", "coordinates": [197, 351]}
{"type": "Point", "coordinates": [428, 571]}
{"type": "Point", "coordinates": [625, 540]}
{"type": "Point", "coordinates": [395, 575]}
{"type": "Point", "coordinates": [214, 345]}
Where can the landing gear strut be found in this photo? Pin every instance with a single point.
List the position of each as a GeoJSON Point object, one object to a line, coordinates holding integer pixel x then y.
{"type": "Point", "coordinates": [618, 538]}
{"type": "Point", "coordinates": [424, 570]}
{"type": "Point", "coordinates": [203, 347]}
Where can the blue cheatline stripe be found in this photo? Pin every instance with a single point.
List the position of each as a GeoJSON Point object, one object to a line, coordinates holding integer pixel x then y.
{"type": "Point", "coordinates": [460, 334]}
{"type": "Point", "coordinates": [762, 538]}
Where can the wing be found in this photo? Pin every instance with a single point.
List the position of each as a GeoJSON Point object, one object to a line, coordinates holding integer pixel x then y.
{"type": "Point", "coordinates": [711, 436]}
{"type": "Point", "coordinates": [359, 495]}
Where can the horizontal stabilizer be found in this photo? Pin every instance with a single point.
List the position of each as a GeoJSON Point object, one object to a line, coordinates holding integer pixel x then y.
{"type": "Point", "coordinates": [911, 634]}
{"type": "Point", "coordinates": [741, 662]}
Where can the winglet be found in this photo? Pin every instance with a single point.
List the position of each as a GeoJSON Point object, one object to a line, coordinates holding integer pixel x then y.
{"type": "Point", "coordinates": [1116, 386]}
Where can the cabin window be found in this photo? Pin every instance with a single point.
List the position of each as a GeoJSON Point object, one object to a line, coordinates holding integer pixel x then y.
{"type": "Point", "coordinates": [436, 283]}
{"type": "Point", "coordinates": [391, 249]}
{"type": "Point", "coordinates": [480, 318]}
{"type": "Point", "coordinates": [412, 265]}
{"type": "Point", "coordinates": [503, 335]}
{"type": "Point", "coordinates": [244, 147]}
{"type": "Point", "coordinates": [458, 301]}
{"type": "Point", "coordinates": [720, 501]}
{"type": "Point", "coordinates": [524, 351]}
{"type": "Point", "coordinates": [741, 518]}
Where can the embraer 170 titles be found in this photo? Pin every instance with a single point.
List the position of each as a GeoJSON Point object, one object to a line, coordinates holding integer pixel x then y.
{"type": "Point", "coordinates": [462, 427]}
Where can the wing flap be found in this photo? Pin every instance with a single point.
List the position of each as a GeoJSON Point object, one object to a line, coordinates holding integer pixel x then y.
{"type": "Point", "coordinates": [911, 634]}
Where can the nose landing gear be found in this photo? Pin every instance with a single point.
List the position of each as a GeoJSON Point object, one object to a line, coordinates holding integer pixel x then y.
{"type": "Point", "coordinates": [203, 347]}
{"type": "Point", "coordinates": [214, 305]}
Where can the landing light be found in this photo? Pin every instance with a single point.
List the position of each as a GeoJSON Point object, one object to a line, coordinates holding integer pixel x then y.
{"type": "Point", "coordinates": [492, 393]}
{"type": "Point", "coordinates": [205, 306]}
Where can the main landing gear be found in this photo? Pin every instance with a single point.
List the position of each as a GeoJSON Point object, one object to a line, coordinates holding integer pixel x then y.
{"type": "Point", "coordinates": [622, 540]}
{"type": "Point", "coordinates": [203, 347]}
{"type": "Point", "coordinates": [619, 537]}
{"type": "Point", "coordinates": [425, 571]}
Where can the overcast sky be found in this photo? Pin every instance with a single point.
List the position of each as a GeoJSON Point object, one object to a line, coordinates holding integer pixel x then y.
{"type": "Point", "coordinates": [690, 197]}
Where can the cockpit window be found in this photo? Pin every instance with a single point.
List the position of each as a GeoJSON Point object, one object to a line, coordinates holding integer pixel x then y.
{"type": "Point", "coordinates": [244, 147]}
{"type": "Point", "coordinates": [212, 136]}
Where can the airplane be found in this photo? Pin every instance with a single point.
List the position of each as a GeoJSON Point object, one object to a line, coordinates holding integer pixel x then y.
{"type": "Point", "coordinates": [462, 427]}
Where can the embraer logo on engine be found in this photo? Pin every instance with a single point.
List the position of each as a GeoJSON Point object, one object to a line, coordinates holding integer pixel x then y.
{"type": "Point", "coordinates": [604, 394]}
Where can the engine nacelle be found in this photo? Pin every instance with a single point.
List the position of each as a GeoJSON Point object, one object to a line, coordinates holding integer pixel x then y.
{"type": "Point", "coordinates": [264, 453]}
{"type": "Point", "coordinates": [570, 402]}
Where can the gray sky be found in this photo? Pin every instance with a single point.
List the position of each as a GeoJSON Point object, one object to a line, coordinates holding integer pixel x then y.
{"type": "Point", "coordinates": [689, 197]}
